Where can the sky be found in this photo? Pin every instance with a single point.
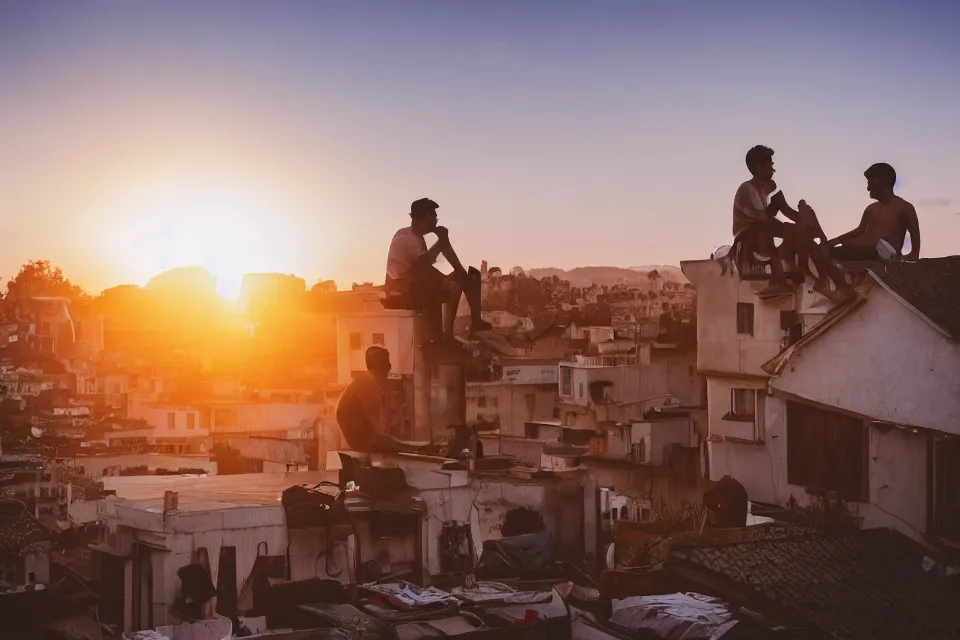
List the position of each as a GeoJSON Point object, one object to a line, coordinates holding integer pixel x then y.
{"type": "Point", "coordinates": [291, 136]}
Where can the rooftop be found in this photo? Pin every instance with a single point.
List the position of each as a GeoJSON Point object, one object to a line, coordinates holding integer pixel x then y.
{"type": "Point", "coordinates": [930, 286]}
{"type": "Point", "coordinates": [867, 585]}
{"type": "Point", "coordinates": [205, 493]}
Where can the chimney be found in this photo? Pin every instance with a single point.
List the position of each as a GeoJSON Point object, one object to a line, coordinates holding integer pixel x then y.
{"type": "Point", "coordinates": [170, 501]}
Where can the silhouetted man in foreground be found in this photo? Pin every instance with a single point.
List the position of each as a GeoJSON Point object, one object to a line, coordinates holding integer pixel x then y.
{"type": "Point", "coordinates": [410, 272]}
{"type": "Point", "coordinates": [360, 409]}
{"type": "Point", "coordinates": [755, 216]}
{"type": "Point", "coordinates": [888, 219]}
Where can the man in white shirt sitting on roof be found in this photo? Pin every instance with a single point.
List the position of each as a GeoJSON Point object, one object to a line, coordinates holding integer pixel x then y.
{"type": "Point", "coordinates": [755, 220]}
{"type": "Point", "coordinates": [410, 272]}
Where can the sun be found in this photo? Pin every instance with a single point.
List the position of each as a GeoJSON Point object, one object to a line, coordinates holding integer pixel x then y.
{"type": "Point", "coordinates": [229, 229]}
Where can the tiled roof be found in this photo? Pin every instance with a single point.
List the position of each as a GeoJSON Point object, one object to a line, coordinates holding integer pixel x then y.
{"type": "Point", "coordinates": [20, 533]}
{"type": "Point", "coordinates": [867, 585]}
{"type": "Point", "coordinates": [931, 286]}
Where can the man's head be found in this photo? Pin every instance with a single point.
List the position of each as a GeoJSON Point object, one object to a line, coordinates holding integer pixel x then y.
{"type": "Point", "coordinates": [423, 215]}
{"type": "Point", "coordinates": [378, 361]}
{"type": "Point", "coordinates": [760, 162]}
{"type": "Point", "coordinates": [880, 180]}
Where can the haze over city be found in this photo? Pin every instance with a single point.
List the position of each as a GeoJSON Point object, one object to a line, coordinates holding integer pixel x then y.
{"type": "Point", "coordinates": [292, 137]}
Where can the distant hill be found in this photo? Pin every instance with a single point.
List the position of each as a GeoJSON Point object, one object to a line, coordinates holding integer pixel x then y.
{"type": "Point", "coordinates": [637, 276]}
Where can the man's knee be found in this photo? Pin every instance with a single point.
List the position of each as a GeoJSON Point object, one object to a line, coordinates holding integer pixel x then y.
{"type": "Point", "coordinates": [452, 287]}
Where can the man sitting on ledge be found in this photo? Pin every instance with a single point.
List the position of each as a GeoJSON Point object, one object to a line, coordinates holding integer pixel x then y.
{"type": "Point", "coordinates": [411, 274]}
{"type": "Point", "coordinates": [755, 222]}
{"type": "Point", "coordinates": [889, 219]}
{"type": "Point", "coordinates": [360, 409]}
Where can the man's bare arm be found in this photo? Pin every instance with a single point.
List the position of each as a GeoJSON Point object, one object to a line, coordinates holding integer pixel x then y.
{"type": "Point", "coordinates": [779, 205]}
{"type": "Point", "coordinates": [430, 256]}
{"type": "Point", "coordinates": [849, 235]}
{"type": "Point", "coordinates": [913, 227]}
{"type": "Point", "coordinates": [447, 250]}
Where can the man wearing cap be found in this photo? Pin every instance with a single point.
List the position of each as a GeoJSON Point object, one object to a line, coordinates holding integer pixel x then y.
{"type": "Point", "coordinates": [410, 272]}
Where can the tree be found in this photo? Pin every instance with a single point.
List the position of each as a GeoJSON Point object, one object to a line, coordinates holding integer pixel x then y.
{"type": "Point", "coordinates": [37, 278]}
{"type": "Point", "coordinates": [41, 278]}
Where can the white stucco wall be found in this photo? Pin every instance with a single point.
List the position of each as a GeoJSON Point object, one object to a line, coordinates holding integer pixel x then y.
{"type": "Point", "coordinates": [397, 328]}
{"type": "Point", "coordinates": [896, 461]}
{"type": "Point", "coordinates": [882, 361]}
{"type": "Point", "coordinates": [718, 406]}
{"type": "Point", "coordinates": [719, 347]}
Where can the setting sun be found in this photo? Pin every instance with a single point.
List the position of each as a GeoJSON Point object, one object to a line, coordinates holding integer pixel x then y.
{"type": "Point", "coordinates": [229, 229]}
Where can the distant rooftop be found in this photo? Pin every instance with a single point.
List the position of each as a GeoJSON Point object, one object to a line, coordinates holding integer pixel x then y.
{"type": "Point", "coordinates": [207, 493]}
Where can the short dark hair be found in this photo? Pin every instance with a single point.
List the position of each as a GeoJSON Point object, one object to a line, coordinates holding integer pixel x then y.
{"type": "Point", "coordinates": [757, 155]}
{"type": "Point", "coordinates": [374, 354]}
{"type": "Point", "coordinates": [422, 207]}
{"type": "Point", "coordinates": [882, 171]}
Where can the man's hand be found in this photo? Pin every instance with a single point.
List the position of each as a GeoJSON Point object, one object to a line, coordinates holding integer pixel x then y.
{"type": "Point", "coordinates": [443, 235]}
{"type": "Point", "coordinates": [780, 200]}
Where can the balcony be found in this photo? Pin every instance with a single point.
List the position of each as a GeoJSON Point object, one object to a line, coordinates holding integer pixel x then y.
{"type": "Point", "coordinates": [618, 360]}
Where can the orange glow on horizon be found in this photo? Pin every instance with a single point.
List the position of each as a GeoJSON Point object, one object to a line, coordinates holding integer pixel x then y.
{"type": "Point", "coordinates": [228, 227]}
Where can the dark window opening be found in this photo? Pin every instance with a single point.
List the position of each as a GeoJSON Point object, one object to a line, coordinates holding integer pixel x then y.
{"type": "Point", "coordinates": [826, 452]}
{"type": "Point", "coordinates": [946, 488]}
{"type": "Point", "coordinates": [742, 404]}
{"type": "Point", "coordinates": [745, 318]}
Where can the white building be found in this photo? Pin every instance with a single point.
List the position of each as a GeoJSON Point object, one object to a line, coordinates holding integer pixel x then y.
{"type": "Point", "coordinates": [235, 519]}
{"type": "Point", "coordinates": [862, 406]}
{"type": "Point", "coordinates": [426, 394]}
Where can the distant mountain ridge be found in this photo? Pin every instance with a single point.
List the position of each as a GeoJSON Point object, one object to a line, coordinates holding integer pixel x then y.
{"type": "Point", "coordinates": [586, 276]}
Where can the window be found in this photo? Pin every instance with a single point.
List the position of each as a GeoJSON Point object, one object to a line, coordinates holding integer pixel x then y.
{"type": "Point", "coordinates": [788, 318]}
{"type": "Point", "coordinates": [171, 420]}
{"type": "Point", "coordinates": [566, 381]}
{"type": "Point", "coordinates": [494, 401]}
{"type": "Point", "coordinates": [482, 401]}
{"type": "Point", "coordinates": [745, 318]}
{"type": "Point", "coordinates": [378, 339]}
{"type": "Point", "coordinates": [742, 404]}
{"type": "Point", "coordinates": [826, 451]}
{"type": "Point", "coordinates": [191, 421]}
{"type": "Point", "coordinates": [580, 391]}
{"type": "Point", "coordinates": [946, 488]}
{"type": "Point", "coordinates": [355, 342]}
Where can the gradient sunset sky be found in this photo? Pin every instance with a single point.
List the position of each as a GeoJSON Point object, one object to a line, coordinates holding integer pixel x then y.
{"type": "Point", "coordinates": [292, 135]}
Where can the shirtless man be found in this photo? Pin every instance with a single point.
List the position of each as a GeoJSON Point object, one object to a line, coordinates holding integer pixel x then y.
{"type": "Point", "coordinates": [890, 218]}
{"type": "Point", "coordinates": [360, 408]}
{"type": "Point", "coordinates": [755, 212]}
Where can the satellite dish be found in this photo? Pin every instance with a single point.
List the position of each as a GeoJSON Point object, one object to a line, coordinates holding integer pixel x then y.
{"type": "Point", "coordinates": [36, 432]}
{"type": "Point", "coordinates": [722, 252]}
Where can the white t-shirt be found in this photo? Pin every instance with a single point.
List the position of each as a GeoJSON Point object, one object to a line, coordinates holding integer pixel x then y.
{"type": "Point", "coordinates": [749, 205]}
{"type": "Point", "coordinates": [405, 248]}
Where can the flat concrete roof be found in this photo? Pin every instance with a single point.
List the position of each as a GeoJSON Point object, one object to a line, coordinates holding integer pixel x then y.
{"type": "Point", "coordinates": [211, 493]}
